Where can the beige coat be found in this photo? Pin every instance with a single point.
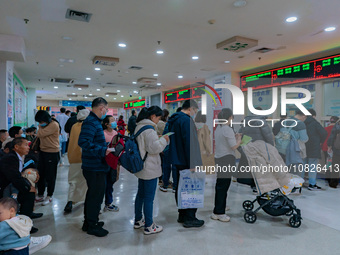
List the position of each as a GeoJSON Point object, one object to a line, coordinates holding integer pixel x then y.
{"type": "Point", "coordinates": [148, 141]}
{"type": "Point", "coordinates": [49, 137]}
{"type": "Point", "coordinates": [261, 154]}
{"type": "Point", "coordinates": [73, 150]}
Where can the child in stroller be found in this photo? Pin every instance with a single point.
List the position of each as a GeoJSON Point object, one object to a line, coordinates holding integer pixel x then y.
{"type": "Point", "coordinates": [272, 186]}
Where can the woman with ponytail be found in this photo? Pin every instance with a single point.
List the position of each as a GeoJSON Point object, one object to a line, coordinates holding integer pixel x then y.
{"type": "Point", "coordinates": [150, 145]}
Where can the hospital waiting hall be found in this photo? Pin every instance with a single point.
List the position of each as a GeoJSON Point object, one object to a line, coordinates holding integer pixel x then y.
{"type": "Point", "coordinates": [169, 127]}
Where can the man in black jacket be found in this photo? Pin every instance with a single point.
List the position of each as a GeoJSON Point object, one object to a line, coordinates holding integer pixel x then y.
{"type": "Point", "coordinates": [184, 152]}
{"type": "Point", "coordinates": [11, 166]}
{"type": "Point", "coordinates": [132, 122]}
{"type": "Point", "coordinates": [317, 135]}
{"type": "Point", "coordinates": [73, 120]}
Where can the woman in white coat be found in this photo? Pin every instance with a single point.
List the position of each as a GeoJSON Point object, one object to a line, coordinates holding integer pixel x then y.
{"type": "Point", "coordinates": [148, 142]}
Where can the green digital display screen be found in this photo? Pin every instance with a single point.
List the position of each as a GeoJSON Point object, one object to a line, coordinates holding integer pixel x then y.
{"type": "Point", "coordinates": [323, 68]}
{"type": "Point", "coordinates": [134, 104]}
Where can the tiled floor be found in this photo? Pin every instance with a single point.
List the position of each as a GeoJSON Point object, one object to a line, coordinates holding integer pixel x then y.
{"type": "Point", "coordinates": [318, 234]}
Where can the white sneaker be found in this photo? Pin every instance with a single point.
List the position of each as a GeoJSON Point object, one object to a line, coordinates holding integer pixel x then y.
{"type": "Point", "coordinates": [38, 243]}
{"type": "Point", "coordinates": [47, 200]}
{"type": "Point", "coordinates": [39, 199]}
{"type": "Point", "coordinates": [153, 229]}
{"type": "Point", "coordinates": [220, 217]}
{"type": "Point", "coordinates": [139, 224]}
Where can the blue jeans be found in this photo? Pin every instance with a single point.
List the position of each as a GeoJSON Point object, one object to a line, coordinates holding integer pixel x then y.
{"type": "Point", "coordinates": [312, 163]}
{"type": "Point", "coordinates": [109, 187]}
{"type": "Point", "coordinates": [167, 168]}
{"type": "Point", "coordinates": [63, 147]}
{"type": "Point", "coordinates": [17, 252]}
{"type": "Point", "coordinates": [144, 200]}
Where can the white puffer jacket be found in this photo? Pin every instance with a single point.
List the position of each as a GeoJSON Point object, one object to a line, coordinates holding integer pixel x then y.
{"type": "Point", "coordinates": [148, 141]}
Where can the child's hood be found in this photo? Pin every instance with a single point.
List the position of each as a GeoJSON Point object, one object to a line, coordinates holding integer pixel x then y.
{"type": "Point", "coordinates": [21, 224]}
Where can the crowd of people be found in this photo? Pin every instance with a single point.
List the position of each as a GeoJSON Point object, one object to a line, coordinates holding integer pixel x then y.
{"type": "Point", "coordinates": [167, 144]}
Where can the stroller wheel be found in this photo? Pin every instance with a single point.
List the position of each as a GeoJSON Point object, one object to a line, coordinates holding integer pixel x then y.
{"type": "Point", "coordinates": [295, 221]}
{"type": "Point", "coordinates": [250, 217]}
{"type": "Point", "coordinates": [248, 205]}
{"type": "Point", "coordinates": [290, 213]}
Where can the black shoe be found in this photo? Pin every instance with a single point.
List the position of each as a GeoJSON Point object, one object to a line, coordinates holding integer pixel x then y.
{"type": "Point", "coordinates": [33, 230]}
{"type": "Point", "coordinates": [97, 231]}
{"type": "Point", "coordinates": [86, 225]}
{"type": "Point", "coordinates": [314, 187]}
{"type": "Point", "coordinates": [180, 219]}
{"type": "Point", "coordinates": [196, 223]}
{"type": "Point", "coordinates": [68, 207]}
{"type": "Point", "coordinates": [36, 215]}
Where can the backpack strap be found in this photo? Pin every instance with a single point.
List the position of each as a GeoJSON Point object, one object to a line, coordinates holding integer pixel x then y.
{"type": "Point", "coordinates": [139, 132]}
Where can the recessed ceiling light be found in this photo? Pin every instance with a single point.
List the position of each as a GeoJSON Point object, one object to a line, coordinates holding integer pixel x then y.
{"type": "Point", "coordinates": [118, 90]}
{"type": "Point", "coordinates": [55, 87]}
{"type": "Point", "coordinates": [159, 52]}
{"type": "Point", "coordinates": [90, 94]}
{"type": "Point", "coordinates": [70, 99]}
{"type": "Point", "coordinates": [329, 29]}
{"type": "Point", "coordinates": [122, 96]}
{"type": "Point", "coordinates": [159, 84]}
{"type": "Point", "coordinates": [240, 3]}
{"type": "Point", "coordinates": [134, 82]}
{"type": "Point", "coordinates": [85, 96]}
{"type": "Point", "coordinates": [79, 88]}
{"type": "Point", "coordinates": [122, 45]}
{"type": "Point", "coordinates": [114, 98]}
{"type": "Point", "coordinates": [97, 69]}
{"type": "Point", "coordinates": [226, 62]}
{"type": "Point", "coordinates": [155, 74]}
{"type": "Point", "coordinates": [180, 76]}
{"type": "Point", "coordinates": [291, 19]}
{"type": "Point", "coordinates": [136, 92]}
{"type": "Point", "coordinates": [67, 38]}
{"type": "Point", "coordinates": [73, 93]}
{"type": "Point", "coordinates": [88, 78]}
{"type": "Point", "coordinates": [107, 95]}
{"type": "Point", "coordinates": [98, 89]}
{"type": "Point", "coordinates": [195, 57]}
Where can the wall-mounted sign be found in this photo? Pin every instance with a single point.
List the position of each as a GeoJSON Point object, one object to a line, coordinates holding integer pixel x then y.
{"type": "Point", "coordinates": [134, 104]}
{"type": "Point", "coordinates": [75, 103]}
{"type": "Point", "coordinates": [317, 69]}
{"type": "Point", "coordinates": [183, 94]}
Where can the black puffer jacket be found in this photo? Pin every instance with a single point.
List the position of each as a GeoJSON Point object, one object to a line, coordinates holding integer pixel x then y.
{"type": "Point", "coordinates": [317, 135]}
{"type": "Point", "coordinates": [331, 139]}
{"type": "Point", "coordinates": [263, 133]}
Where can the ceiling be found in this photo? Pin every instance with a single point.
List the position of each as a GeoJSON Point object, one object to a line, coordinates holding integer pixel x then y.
{"type": "Point", "coordinates": [181, 27]}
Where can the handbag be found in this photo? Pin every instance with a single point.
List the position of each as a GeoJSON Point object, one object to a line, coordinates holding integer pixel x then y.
{"type": "Point", "coordinates": [35, 145]}
{"type": "Point", "coordinates": [208, 160]}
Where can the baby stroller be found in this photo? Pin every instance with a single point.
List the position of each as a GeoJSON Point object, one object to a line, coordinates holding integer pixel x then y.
{"type": "Point", "coordinates": [272, 187]}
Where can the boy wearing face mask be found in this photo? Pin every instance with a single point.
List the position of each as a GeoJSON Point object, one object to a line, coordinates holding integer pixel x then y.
{"type": "Point", "coordinates": [94, 149]}
{"type": "Point", "coordinates": [109, 126]}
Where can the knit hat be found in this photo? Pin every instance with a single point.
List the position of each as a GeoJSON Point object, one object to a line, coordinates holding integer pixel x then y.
{"type": "Point", "coordinates": [82, 114]}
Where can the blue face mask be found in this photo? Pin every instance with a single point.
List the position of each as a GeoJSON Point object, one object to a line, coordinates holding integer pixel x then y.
{"type": "Point", "coordinates": [43, 125]}
{"type": "Point", "coordinates": [114, 125]}
{"type": "Point", "coordinates": [103, 117]}
{"type": "Point", "coordinates": [23, 135]}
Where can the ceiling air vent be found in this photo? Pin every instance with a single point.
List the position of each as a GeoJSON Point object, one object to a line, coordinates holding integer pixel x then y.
{"type": "Point", "coordinates": [147, 80]}
{"type": "Point", "coordinates": [71, 95]}
{"type": "Point", "coordinates": [62, 80]}
{"type": "Point", "coordinates": [82, 86]}
{"type": "Point", "coordinates": [263, 50]}
{"type": "Point", "coordinates": [79, 16]}
{"type": "Point", "coordinates": [135, 67]}
{"type": "Point", "coordinates": [237, 44]}
{"type": "Point", "coordinates": [105, 61]}
{"type": "Point", "coordinates": [39, 97]}
{"type": "Point", "coordinates": [110, 83]}
{"type": "Point", "coordinates": [148, 86]}
{"type": "Point", "coordinates": [111, 93]}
